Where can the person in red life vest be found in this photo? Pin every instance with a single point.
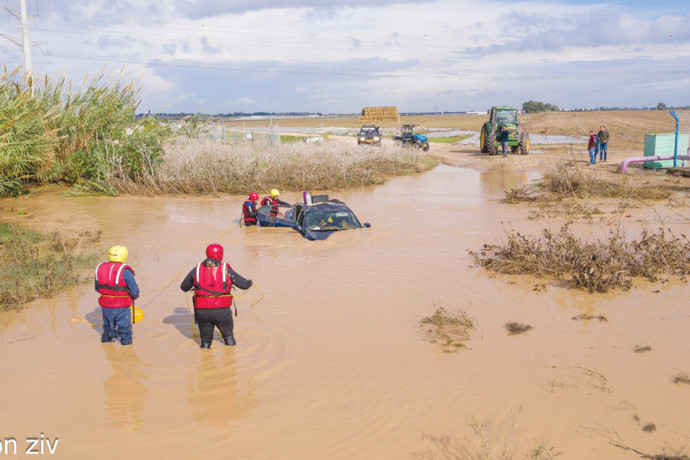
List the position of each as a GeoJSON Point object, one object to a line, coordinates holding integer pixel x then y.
{"type": "Point", "coordinates": [272, 199]}
{"type": "Point", "coordinates": [115, 283]}
{"type": "Point", "coordinates": [212, 281]}
{"type": "Point", "coordinates": [249, 212]}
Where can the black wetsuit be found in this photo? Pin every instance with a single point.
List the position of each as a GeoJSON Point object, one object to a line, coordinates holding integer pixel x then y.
{"type": "Point", "coordinates": [208, 318]}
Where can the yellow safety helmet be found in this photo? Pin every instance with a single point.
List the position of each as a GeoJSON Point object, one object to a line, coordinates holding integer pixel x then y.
{"type": "Point", "coordinates": [275, 192]}
{"type": "Point", "coordinates": [118, 254]}
{"type": "Point", "coordinates": [138, 314]}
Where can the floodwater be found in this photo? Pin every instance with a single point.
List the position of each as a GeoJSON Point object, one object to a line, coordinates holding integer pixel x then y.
{"type": "Point", "coordinates": [331, 361]}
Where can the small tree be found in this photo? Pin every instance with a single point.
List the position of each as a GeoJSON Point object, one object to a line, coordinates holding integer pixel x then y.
{"type": "Point", "coordinates": [536, 106]}
{"type": "Point", "coordinates": [661, 106]}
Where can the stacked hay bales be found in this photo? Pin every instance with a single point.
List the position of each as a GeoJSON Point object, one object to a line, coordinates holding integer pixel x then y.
{"type": "Point", "coordinates": [371, 115]}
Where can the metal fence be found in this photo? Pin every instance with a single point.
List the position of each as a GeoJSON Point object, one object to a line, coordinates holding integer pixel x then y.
{"type": "Point", "coordinates": [237, 135]}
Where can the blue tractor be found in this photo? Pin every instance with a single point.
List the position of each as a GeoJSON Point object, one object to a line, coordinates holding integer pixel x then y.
{"type": "Point", "coordinates": [408, 138]}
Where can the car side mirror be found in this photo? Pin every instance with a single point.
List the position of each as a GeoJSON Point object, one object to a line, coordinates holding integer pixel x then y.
{"type": "Point", "coordinates": [367, 225]}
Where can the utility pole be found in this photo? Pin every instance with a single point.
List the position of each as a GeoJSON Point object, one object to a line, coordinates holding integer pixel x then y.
{"type": "Point", "coordinates": [25, 43]}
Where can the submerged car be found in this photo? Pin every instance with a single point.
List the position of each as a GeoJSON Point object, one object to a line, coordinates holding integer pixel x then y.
{"type": "Point", "coordinates": [316, 218]}
{"type": "Point", "coordinates": [369, 135]}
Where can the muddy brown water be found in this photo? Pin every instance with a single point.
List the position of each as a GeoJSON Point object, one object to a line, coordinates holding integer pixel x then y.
{"type": "Point", "coordinates": [331, 362]}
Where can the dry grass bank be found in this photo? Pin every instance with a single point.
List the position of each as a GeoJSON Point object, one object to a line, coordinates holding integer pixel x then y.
{"type": "Point", "coordinates": [203, 167]}
{"type": "Point", "coordinates": [36, 265]}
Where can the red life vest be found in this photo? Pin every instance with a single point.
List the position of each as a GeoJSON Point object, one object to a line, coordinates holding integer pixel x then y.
{"type": "Point", "coordinates": [270, 201]}
{"type": "Point", "coordinates": [212, 286]}
{"type": "Point", "coordinates": [111, 285]}
{"type": "Point", "coordinates": [247, 207]}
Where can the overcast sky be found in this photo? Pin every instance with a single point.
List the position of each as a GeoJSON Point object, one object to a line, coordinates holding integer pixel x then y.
{"type": "Point", "coordinates": [220, 56]}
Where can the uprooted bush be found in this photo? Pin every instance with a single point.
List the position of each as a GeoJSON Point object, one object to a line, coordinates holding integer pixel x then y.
{"type": "Point", "coordinates": [595, 266]}
{"type": "Point", "coordinates": [565, 180]}
{"type": "Point", "coordinates": [450, 329]}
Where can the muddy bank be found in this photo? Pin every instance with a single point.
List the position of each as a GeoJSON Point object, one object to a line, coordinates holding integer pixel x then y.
{"type": "Point", "coordinates": [332, 362]}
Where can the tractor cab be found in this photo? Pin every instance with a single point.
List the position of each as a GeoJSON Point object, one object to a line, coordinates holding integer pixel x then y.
{"type": "Point", "coordinates": [504, 116]}
{"type": "Point", "coordinates": [407, 131]}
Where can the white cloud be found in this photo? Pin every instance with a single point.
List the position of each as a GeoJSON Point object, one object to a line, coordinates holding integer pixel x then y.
{"type": "Point", "coordinates": [244, 101]}
{"type": "Point", "coordinates": [417, 55]}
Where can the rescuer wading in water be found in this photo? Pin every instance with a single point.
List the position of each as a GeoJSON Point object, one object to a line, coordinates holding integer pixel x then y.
{"type": "Point", "coordinates": [115, 282]}
{"type": "Point", "coordinates": [273, 200]}
{"type": "Point", "coordinates": [212, 281]}
{"type": "Point", "coordinates": [249, 211]}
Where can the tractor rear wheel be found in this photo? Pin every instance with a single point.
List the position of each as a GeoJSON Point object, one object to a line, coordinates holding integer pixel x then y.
{"type": "Point", "coordinates": [489, 141]}
{"type": "Point", "coordinates": [523, 144]}
{"type": "Point", "coordinates": [482, 139]}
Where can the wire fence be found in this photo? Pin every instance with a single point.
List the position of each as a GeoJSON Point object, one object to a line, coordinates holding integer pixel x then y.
{"type": "Point", "coordinates": [234, 135]}
{"type": "Point", "coordinates": [238, 135]}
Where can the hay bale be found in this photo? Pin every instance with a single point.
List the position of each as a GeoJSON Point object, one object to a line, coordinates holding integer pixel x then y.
{"type": "Point", "coordinates": [378, 114]}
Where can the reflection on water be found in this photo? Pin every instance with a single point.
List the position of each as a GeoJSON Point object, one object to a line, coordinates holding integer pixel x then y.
{"type": "Point", "coordinates": [126, 389]}
{"type": "Point", "coordinates": [214, 394]}
{"type": "Point", "coordinates": [497, 181]}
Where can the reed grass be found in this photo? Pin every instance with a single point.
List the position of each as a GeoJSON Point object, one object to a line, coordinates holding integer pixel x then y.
{"type": "Point", "coordinates": [193, 166]}
{"type": "Point", "coordinates": [35, 265]}
{"type": "Point", "coordinates": [57, 135]}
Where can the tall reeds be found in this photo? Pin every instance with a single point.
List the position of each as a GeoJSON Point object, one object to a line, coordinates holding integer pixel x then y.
{"type": "Point", "coordinates": [85, 137]}
{"type": "Point", "coordinates": [92, 138]}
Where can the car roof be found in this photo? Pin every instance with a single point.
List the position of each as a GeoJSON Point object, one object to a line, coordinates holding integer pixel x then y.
{"type": "Point", "coordinates": [328, 206]}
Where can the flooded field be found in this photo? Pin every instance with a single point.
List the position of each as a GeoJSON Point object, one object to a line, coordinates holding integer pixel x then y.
{"type": "Point", "coordinates": [331, 361]}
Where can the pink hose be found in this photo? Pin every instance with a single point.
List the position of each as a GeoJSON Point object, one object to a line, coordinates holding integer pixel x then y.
{"type": "Point", "coordinates": [624, 165]}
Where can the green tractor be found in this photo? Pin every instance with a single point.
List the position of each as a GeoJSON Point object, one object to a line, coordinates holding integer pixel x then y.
{"type": "Point", "coordinates": [500, 117]}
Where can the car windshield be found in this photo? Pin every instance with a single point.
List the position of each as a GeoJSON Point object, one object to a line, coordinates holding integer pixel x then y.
{"type": "Point", "coordinates": [506, 116]}
{"type": "Point", "coordinates": [341, 219]}
{"type": "Point", "coordinates": [367, 130]}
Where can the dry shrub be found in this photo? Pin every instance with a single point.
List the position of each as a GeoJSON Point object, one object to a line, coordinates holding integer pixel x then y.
{"type": "Point", "coordinates": [584, 317]}
{"type": "Point", "coordinates": [642, 349]}
{"type": "Point", "coordinates": [526, 193]}
{"type": "Point", "coordinates": [488, 440]}
{"type": "Point", "coordinates": [681, 377]}
{"type": "Point", "coordinates": [517, 328]}
{"type": "Point", "coordinates": [595, 266]}
{"type": "Point", "coordinates": [449, 329]}
{"type": "Point", "coordinates": [205, 167]}
{"type": "Point", "coordinates": [59, 242]}
{"type": "Point", "coordinates": [572, 209]}
{"type": "Point", "coordinates": [649, 427]}
{"type": "Point", "coordinates": [564, 180]}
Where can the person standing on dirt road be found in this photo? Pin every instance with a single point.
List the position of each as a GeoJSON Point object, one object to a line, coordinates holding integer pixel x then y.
{"type": "Point", "coordinates": [603, 143]}
{"type": "Point", "coordinates": [115, 282]}
{"type": "Point", "coordinates": [503, 139]}
{"type": "Point", "coordinates": [592, 147]}
{"type": "Point", "coordinates": [212, 281]}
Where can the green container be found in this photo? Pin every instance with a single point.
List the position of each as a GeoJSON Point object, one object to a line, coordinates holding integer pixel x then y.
{"type": "Point", "coordinates": [663, 145]}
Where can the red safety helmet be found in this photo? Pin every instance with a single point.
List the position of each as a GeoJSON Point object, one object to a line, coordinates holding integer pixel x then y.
{"type": "Point", "coordinates": [214, 251]}
{"type": "Point", "coordinates": [253, 196]}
